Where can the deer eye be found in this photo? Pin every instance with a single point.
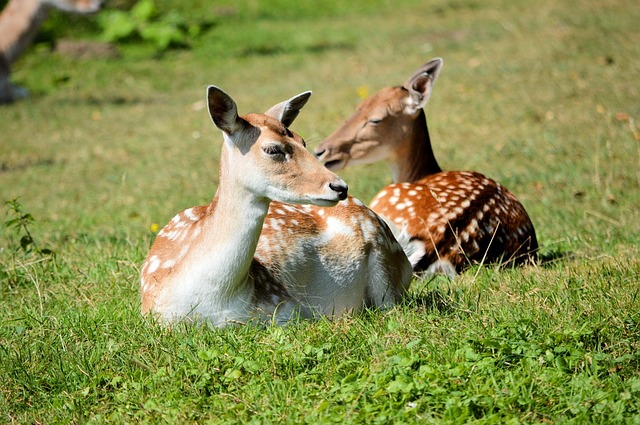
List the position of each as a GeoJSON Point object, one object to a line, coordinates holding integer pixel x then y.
{"type": "Point", "coordinates": [375, 121]}
{"type": "Point", "coordinates": [274, 150]}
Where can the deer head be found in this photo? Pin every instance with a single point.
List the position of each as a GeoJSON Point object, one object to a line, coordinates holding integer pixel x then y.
{"type": "Point", "coordinates": [267, 158]}
{"type": "Point", "coordinates": [385, 124]}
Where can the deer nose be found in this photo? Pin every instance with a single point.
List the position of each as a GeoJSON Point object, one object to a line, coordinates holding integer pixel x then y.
{"type": "Point", "coordinates": [319, 152]}
{"type": "Point", "coordinates": [341, 188]}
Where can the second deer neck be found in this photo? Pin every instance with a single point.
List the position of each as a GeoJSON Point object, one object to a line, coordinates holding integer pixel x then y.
{"type": "Point", "coordinates": [414, 157]}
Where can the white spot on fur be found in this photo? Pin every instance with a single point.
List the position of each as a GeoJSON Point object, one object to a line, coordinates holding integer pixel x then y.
{"type": "Point", "coordinates": [154, 263]}
{"type": "Point", "coordinates": [174, 235]}
{"type": "Point", "coordinates": [368, 229]}
{"type": "Point", "coordinates": [190, 215]}
{"type": "Point", "coordinates": [442, 267]}
{"type": "Point", "coordinates": [337, 227]}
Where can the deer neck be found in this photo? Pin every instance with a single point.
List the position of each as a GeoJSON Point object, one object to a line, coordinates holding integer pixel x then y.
{"type": "Point", "coordinates": [19, 22]}
{"type": "Point", "coordinates": [414, 159]}
{"type": "Point", "coordinates": [222, 256]}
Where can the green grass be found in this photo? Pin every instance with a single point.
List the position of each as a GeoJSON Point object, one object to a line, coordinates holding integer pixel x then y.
{"type": "Point", "coordinates": [542, 96]}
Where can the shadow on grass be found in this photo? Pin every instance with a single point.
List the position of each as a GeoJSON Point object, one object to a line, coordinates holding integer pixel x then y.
{"type": "Point", "coordinates": [430, 298]}
{"type": "Point", "coordinates": [272, 49]}
{"type": "Point", "coordinates": [550, 258]}
{"type": "Point", "coordinates": [103, 99]}
{"type": "Point", "coordinates": [22, 165]}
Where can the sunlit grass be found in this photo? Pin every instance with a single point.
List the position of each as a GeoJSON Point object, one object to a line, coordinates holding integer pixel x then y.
{"type": "Point", "coordinates": [539, 96]}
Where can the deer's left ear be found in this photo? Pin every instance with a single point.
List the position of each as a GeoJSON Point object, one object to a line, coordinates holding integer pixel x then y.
{"type": "Point", "coordinates": [287, 111]}
{"type": "Point", "coordinates": [420, 84]}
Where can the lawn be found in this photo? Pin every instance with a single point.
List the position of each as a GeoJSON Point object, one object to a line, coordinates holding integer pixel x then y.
{"type": "Point", "coordinates": [541, 96]}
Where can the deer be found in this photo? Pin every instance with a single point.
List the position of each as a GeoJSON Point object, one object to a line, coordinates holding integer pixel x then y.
{"type": "Point", "coordinates": [19, 23]}
{"type": "Point", "coordinates": [280, 240]}
{"type": "Point", "coordinates": [452, 218]}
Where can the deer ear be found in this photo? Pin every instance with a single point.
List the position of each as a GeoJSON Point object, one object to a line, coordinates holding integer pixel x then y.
{"type": "Point", "coordinates": [222, 110]}
{"type": "Point", "coordinates": [420, 84]}
{"type": "Point", "coordinates": [287, 111]}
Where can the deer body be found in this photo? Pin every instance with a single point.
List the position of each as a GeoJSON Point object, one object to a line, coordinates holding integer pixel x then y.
{"type": "Point", "coordinates": [19, 23]}
{"type": "Point", "coordinates": [246, 257]}
{"type": "Point", "coordinates": [454, 218]}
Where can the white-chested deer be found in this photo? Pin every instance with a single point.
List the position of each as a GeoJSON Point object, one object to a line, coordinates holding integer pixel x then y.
{"type": "Point", "coordinates": [453, 218]}
{"type": "Point", "coordinates": [280, 239]}
{"type": "Point", "coordinates": [19, 23]}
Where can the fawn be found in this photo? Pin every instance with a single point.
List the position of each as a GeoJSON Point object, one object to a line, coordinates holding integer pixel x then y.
{"type": "Point", "coordinates": [453, 218]}
{"type": "Point", "coordinates": [281, 238]}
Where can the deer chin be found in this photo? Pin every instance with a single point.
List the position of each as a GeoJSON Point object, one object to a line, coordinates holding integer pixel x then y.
{"type": "Point", "coordinates": [324, 202]}
{"type": "Point", "coordinates": [321, 199]}
{"type": "Point", "coordinates": [336, 164]}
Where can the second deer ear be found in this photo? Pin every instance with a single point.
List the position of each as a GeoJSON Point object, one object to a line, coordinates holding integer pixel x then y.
{"type": "Point", "coordinates": [420, 84]}
{"type": "Point", "coordinates": [222, 110]}
{"type": "Point", "coordinates": [287, 111]}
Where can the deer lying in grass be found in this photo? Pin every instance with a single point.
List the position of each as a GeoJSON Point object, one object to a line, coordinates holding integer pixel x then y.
{"type": "Point", "coordinates": [454, 218]}
{"type": "Point", "coordinates": [252, 253]}
{"type": "Point", "coordinates": [19, 23]}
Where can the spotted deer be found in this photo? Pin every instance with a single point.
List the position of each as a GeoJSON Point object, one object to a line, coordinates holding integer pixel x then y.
{"type": "Point", "coordinates": [281, 238]}
{"type": "Point", "coordinates": [453, 218]}
{"type": "Point", "coordinates": [19, 23]}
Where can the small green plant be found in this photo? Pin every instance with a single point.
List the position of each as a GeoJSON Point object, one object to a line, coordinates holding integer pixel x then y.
{"type": "Point", "coordinates": [144, 22]}
{"type": "Point", "coordinates": [20, 222]}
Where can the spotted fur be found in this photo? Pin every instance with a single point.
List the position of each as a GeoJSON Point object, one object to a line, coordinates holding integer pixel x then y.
{"type": "Point", "coordinates": [245, 257]}
{"type": "Point", "coordinates": [459, 218]}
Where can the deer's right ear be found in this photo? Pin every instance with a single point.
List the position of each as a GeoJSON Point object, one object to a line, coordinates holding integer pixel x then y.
{"type": "Point", "coordinates": [420, 84]}
{"type": "Point", "coordinates": [222, 110]}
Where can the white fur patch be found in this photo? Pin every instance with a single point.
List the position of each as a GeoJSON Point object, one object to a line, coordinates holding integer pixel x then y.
{"type": "Point", "coordinates": [414, 250]}
{"type": "Point", "coordinates": [442, 267]}
{"type": "Point", "coordinates": [337, 227]}
{"type": "Point", "coordinates": [154, 263]}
